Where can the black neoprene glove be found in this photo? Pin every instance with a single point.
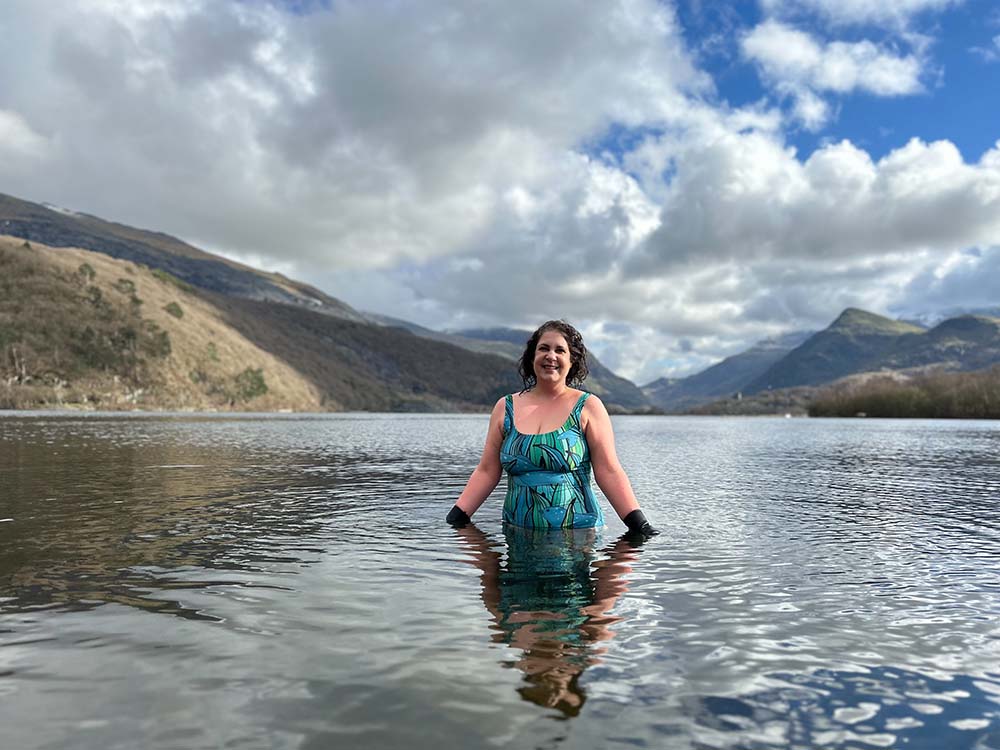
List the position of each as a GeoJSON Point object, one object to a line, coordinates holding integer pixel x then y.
{"type": "Point", "coordinates": [457, 517]}
{"type": "Point", "coordinates": [638, 525]}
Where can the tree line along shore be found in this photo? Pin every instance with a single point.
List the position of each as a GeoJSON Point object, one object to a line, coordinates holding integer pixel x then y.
{"type": "Point", "coordinates": [938, 395]}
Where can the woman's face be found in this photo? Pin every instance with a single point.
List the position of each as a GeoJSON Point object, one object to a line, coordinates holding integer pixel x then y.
{"type": "Point", "coordinates": [552, 358]}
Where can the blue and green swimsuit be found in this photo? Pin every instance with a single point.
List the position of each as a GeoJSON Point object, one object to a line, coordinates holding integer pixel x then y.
{"type": "Point", "coordinates": [548, 475]}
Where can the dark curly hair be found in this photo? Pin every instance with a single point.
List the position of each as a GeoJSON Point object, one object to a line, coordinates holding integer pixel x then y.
{"type": "Point", "coordinates": [578, 369]}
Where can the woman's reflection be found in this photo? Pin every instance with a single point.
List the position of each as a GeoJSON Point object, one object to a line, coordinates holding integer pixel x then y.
{"type": "Point", "coordinates": [550, 597]}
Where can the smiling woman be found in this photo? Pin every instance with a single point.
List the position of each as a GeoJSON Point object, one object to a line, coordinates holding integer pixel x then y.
{"type": "Point", "coordinates": [547, 437]}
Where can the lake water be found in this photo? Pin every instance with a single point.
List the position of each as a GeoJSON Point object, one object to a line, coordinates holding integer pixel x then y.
{"type": "Point", "coordinates": [289, 582]}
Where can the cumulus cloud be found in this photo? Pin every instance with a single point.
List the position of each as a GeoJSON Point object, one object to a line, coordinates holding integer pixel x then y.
{"type": "Point", "coordinates": [894, 13]}
{"type": "Point", "coordinates": [747, 198]}
{"type": "Point", "coordinates": [801, 66]}
{"type": "Point", "coordinates": [789, 55]}
{"type": "Point", "coordinates": [364, 135]}
{"type": "Point", "coordinates": [961, 280]}
{"type": "Point", "coordinates": [749, 240]}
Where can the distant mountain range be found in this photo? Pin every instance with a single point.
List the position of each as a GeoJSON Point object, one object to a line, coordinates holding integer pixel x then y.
{"type": "Point", "coordinates": [98, 313]}
{"type": "Point", "coordinates": [729, 376]}
{"type": "Point", "coordinates": [857, 342]}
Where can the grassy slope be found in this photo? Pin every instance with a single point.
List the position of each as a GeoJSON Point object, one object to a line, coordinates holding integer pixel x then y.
{"type": "Point", "coordinates": [82, 328]}
{"type": "Point", "coordinates": [306, 359]}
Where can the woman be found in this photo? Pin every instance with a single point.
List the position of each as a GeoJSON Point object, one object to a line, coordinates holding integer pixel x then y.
{"type": "Point", "coordinates": [547, 437]}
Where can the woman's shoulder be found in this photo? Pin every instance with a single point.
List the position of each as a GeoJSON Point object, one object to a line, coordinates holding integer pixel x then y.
{"type": "Point", "coordinates": [593, 403]}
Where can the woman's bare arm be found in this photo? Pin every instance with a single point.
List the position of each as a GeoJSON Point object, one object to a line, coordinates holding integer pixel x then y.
{"type": "Point", "coordinates": [608, 472]}
{"type": "Point", "coordinates": [486, 475]}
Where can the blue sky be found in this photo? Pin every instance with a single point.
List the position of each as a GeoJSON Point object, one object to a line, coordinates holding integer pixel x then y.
{"type": "Point", "coordinates": [678, 179]}
{"type": "Point", "coordinates": [957, 102]}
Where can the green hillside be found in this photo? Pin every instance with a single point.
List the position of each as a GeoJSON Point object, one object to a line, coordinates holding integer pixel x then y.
{"type": "Point", "coordinates": [857, 341]}
{"type": "Point", "coordinates": [58, 324]}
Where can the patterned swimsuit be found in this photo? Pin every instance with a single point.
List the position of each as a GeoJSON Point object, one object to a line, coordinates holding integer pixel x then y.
{"type": "Point", "coordinates": [548, 475]}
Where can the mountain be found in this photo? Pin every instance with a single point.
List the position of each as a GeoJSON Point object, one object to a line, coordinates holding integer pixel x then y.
{"type": "Point", "coordinates": [62, 228]}
{"type": "Point", "coordinates": [483, 346]}
{"type": "Point", "coordinates": [931, 319]}
{"type": "Point", "coordinates": [79, 328]}
{"type": "Point", "coordinates": [856, 345]}
{"type": "Point", "coordinates": [618, 394]}
{"type": "Point", "coordinates": [516, 337]}
{"type": "Point", "coordinates": [968, 342]}
{"type": "Point", "coordinates": [857, 341]}
{"type": "Point", "coordinates": [724, 378]}
{"type": "Point", "coordinates": [98, 313]}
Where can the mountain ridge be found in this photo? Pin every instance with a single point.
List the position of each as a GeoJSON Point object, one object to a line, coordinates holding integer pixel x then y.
{"type": "Point", "coordinates": [344, 358]}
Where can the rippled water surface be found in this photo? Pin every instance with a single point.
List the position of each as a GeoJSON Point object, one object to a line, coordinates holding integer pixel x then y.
{"type": "Point", "coordinates": [289, 582]}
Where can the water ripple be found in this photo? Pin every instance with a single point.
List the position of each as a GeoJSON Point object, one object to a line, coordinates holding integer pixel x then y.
{"type": "Point", "coordinates": [288, 582]}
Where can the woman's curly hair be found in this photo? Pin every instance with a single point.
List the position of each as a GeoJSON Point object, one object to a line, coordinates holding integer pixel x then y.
{"type": "Point", "coordinates": [578, 369]}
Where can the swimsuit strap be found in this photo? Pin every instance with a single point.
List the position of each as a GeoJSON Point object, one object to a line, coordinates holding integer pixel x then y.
{"type": "Point", "coordinates": [508, 414]}
{"type": "Point", "coordinates": [578, 409]}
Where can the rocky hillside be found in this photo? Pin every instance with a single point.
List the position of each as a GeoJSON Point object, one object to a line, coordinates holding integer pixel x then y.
{"type": "Point", "coordinates": [857, 345]}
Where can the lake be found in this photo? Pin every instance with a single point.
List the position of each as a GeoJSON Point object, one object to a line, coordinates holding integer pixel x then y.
{"type": "Point", "coordinates": [288, 581]}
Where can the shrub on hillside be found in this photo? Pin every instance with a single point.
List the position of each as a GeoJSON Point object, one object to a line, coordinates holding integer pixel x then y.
{"type": "Point", "coordinates": [250, 384]}
{"type": "Point", "coordinates": [169, 278]}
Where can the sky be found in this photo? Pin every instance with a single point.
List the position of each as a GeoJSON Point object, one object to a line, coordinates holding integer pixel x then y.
{"type": "Point", "coordinates": [678, 179]}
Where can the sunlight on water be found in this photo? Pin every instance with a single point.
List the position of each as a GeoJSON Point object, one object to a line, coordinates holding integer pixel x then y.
{"type": "Point", "coordinates": [289, 582]}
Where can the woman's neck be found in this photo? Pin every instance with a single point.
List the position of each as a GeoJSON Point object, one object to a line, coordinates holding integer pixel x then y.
{"type": "Point", "coordinates": [550, 391]}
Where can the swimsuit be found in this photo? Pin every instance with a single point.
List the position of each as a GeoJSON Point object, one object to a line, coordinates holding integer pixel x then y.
{"type": "Point", "coordinates": [548, 475]}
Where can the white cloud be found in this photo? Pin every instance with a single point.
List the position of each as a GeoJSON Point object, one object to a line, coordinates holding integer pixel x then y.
{"type": "Point", "coordinates": [961, 280]}
{"type": "Point", "coordinates": [752, 241]}
{"type": "Point", "coordinates": [364, 135]}
{"type": "Point", "coordinates": [799, 65]}
{"type": "Point", "coordinates": [989, 54]}
{"type": "Point", "coordinates": [893, 13]}
{"type": "Point", "coordinates": [745, 197]}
